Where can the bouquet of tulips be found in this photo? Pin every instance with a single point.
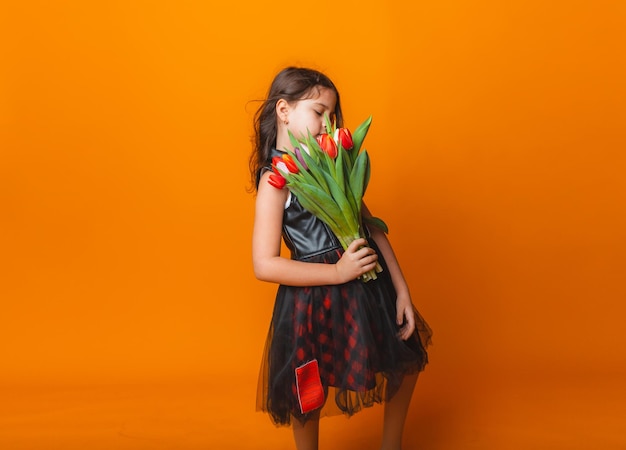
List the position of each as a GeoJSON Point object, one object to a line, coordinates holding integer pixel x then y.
{"type": "Point", "coordinates": [329, 175]}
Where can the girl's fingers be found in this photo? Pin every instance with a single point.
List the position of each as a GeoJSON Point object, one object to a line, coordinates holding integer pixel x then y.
{"type": "Point", "coordinates": [356, 244]}
{"type": "Point", "coordinates": [407, 330]}
{"type": "Point", "coordinates": [410, 326]}
{"type": "Point", "coordinates": [362, 252]}
{"type": "Point", "coordinates": [400, 316]}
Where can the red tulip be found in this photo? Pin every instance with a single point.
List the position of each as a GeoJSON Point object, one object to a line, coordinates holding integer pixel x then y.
{"type": "Point", "coordinates": [343, 137]}
{"type": "Point", "coordinates": [277, 180]}
{"type": "Point", "coordinates": [327, 144]}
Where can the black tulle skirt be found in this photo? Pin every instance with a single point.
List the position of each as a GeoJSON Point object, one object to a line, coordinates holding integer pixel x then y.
{"type": "Point", "coordinates": [351, 331]}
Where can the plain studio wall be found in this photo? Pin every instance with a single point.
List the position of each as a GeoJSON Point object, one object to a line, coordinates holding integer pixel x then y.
{"type": "Point", "coordinates": [497, 151]}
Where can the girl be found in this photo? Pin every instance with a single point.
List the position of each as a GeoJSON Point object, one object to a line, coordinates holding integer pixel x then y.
{"type": "Point", "coordinates": [362, 342]}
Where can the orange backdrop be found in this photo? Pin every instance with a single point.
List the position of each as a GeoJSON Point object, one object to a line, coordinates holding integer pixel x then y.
{"type": "Point", "coordinates": [498, 159]}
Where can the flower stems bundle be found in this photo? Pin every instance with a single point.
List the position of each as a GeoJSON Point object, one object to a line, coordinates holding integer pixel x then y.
{"type": "Point", "coordinates": [329, 175]}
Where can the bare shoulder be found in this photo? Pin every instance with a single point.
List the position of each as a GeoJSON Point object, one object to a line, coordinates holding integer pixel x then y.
{"type": "Point", "coordinates": [268, 221]}
{"type": "Point", "coordinates": [269, 197]}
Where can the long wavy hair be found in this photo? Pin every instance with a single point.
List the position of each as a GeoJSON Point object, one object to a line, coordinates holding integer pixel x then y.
{"type": "Point", "coordinates": [291, 84]}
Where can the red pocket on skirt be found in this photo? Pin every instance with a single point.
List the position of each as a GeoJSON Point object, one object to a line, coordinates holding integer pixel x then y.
{"type": "Point", "coordinates": [309, 386]}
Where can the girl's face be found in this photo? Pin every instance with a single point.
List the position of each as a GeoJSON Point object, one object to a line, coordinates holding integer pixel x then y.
{"type": "Point", "coordinates": [305, 115]}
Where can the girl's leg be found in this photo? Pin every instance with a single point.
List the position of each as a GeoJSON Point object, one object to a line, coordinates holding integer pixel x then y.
{"type": "Point", "coordinates": [307, 435]}
{"type": "Point", "coordinates": [395, 414]}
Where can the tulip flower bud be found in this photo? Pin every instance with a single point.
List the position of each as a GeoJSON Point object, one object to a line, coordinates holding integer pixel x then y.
{"type": "Point", "coordinates": [328, 145]}
{"type": "Point", "coordinates": [344, 137]}
{"type": "Point", "coordinates": [292, 167]}
{"type": "Point", "coordinates": [279, 166]}
{"type": "Point", "coordinates": [277, 180]}
{"type": "Point", "coordinates": [301, 158]}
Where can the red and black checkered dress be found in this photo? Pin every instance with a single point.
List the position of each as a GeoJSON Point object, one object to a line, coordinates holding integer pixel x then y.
{"type": "Point", "coordinates": [350, 329]}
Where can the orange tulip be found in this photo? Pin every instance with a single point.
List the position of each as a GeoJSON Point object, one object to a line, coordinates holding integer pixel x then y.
{"type": "Point", "coordinates": [291, 165]}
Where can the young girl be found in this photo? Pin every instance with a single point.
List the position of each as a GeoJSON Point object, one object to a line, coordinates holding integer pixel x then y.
{"type": "Point", "coordinates": [366, 339]}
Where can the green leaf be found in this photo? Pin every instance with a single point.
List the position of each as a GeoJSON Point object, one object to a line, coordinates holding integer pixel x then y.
{"type": "Point", "coordinates": [294, 142]}
{"type": "Point", "coordinates": [376, 222]}
{"type": "Point", "coordinates": [350, 216]}
{"type": "Point", "coordinates": [304, 176]}
{"type": "Point", "coordinates": [359, 135]}
{"type": "Point", "coordinates": [366, 177]}
{"type": "Point", "coordinates": [326, 210]}
{"type": "Point", "coordinates": [348, 160]}
{"type": "Point", "coordinates": [357, 177]}
{"type": "Point", "coordinates": [330, 129]}
{"type": "Point", "coordinates": [339, 169]}
{"type": "Point", "coordinates": [318, 203]}
{"type": "Point", "coordinates": [342, 171]}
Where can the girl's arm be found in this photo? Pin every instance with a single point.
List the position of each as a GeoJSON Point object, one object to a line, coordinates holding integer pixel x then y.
{"type": "Point", "coordinates": [404, 305]}
{"type": "Point", "coordinates": [270, 266]}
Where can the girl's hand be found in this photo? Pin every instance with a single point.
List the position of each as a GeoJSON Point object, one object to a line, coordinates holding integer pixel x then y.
{"type": "Point", "coordinates": [406, 316]}
{"type": "Point", "coordinates": [355, 261]}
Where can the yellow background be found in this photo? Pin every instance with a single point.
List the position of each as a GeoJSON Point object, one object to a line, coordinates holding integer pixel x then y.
{"type": "Point", "coordinates": [497, 153]}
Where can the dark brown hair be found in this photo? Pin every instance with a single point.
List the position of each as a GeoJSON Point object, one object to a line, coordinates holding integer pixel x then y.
{"type": "Point", "coordinates": [291, 84]}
